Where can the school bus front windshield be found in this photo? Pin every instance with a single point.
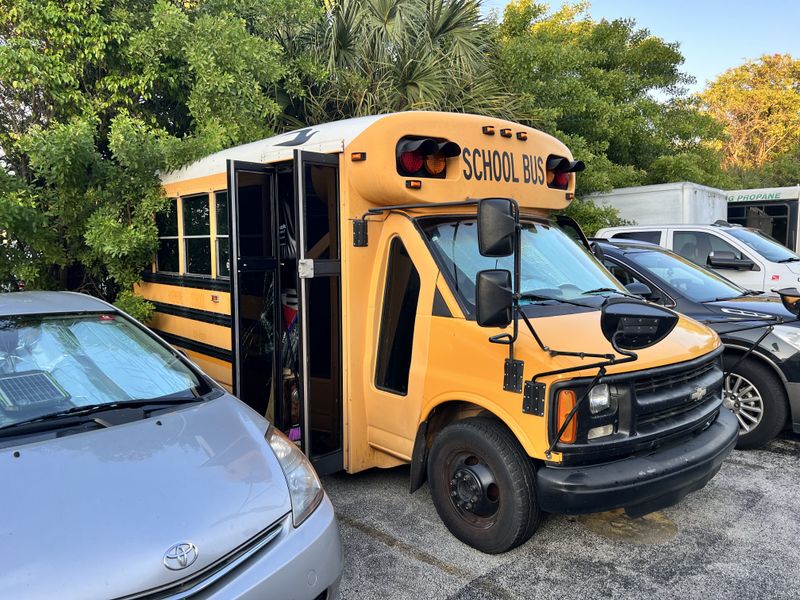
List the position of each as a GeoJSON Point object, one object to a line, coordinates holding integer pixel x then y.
{"type": "Point", "coordinates": [553, 265]}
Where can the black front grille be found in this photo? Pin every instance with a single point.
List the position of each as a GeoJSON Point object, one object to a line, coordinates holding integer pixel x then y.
{"type": "Point", "coordinates": [680, 390]}
{"type": "Point", "coordinates": [652, 384]}
{"type": "Point", "coordinates": [655, 407]}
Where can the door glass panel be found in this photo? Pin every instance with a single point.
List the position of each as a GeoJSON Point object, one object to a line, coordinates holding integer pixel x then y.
{"type": "Point", "coordinates": [257, 338]}
{"type": "Point", "coordinates": [697, 245]}
{"type": "Point", "coordinates": [653, 237]}
{"type": "Point", "coordinates": [324, 368]}
{"type": "Point", "coordinates": [255, 224]}
{"type": "Point", "coordinates": [321, 212]}
{"type": "Point", "coordinates": [397, 322]}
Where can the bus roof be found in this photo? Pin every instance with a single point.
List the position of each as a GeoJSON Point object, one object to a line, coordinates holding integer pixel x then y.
{"type": "Point", "coordinates": [327, 137]}
{"type": "Point", "coordinates": [496, 158]}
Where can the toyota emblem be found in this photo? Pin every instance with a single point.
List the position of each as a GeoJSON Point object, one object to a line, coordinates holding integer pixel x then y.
{"type": "Point", "coordinates": [180, 556]}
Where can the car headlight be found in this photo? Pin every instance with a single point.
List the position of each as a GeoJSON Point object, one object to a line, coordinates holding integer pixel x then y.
{"type": "Point", "coordinates": [305, 488]}
{"type": "Point", "coordinates": [790, 335]}
{"type": "Point", "coordinates": [600, 399]}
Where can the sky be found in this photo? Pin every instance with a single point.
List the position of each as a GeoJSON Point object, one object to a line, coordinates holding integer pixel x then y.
{"type": "Point", "coordinates": [714, 35]}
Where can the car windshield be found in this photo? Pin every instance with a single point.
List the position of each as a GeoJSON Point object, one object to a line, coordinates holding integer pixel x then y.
{"type": "Point", "coordinates": [553, 265]}
{"type": "Point", "coordinates": [767, 247]}
{"type": "Point", "coordinates": [694, 282]}
{"type": "Point", "coordinates": [55, 363]}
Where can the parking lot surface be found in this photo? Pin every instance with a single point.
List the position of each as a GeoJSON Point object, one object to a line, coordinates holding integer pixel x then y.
{"type": "Point", "coordinates": [739, 537]}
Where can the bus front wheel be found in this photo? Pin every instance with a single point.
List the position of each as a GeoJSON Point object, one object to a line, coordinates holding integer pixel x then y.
{"type": "Point", "coordinates": [482, 484]}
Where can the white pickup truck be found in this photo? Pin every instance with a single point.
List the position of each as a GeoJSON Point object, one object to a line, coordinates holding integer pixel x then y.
{"type": "Point", "coordinates": [744, 255]}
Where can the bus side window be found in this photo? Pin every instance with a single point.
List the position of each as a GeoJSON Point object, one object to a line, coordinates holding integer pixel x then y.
{"type": "Point", "coordinates": [396, 338]}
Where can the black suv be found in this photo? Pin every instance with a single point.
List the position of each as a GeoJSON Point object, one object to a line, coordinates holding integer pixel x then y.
{"type": "Point", "coordinates": [763, 390]}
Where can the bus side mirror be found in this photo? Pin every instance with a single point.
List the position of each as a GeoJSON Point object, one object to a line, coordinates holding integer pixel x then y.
{"type": "Point", "coordinates": [497, 224]}
{"type": "Point", "coordinates": [494, 298]}
{"type": "Point", "coordinates": [633, 325]}
{"type": "Point", "coordinates": [791, 300]}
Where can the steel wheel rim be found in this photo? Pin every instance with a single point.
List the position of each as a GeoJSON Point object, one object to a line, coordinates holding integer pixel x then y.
{"type": "Point", "coordinates": [460, 469]}
{"type": "Point", "coordinates": [744, 399]}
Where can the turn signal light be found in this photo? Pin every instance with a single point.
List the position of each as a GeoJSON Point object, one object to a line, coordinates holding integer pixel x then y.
{"type": "Point", "coordinates": [435, 164]}
{"type": "Point", "coordinates": [566, 402]}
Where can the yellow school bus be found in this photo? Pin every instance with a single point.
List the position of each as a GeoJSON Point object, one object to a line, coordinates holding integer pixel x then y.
{"type": "Point", "coordinates": [393, 290]}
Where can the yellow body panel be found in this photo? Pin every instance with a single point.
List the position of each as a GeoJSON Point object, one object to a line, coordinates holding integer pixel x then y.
{"type": "Point", "coordinates": [210, 334]}
{"type": "Point", "coordinates": [219, 370]}
{"type": "Point", "coordinates": [208, 300]}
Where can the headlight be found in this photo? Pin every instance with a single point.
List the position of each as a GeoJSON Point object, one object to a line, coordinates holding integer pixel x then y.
{"type": "Point", "coordinates": [305, 489]}
{"type": "Point", "coordinates": [599, 399]}
{"type": "Point", "coordinates": [790, 335]}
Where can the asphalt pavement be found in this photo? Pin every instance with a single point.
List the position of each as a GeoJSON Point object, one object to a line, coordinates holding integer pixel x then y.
{"type": "Point", "coordinates": [739, 537]}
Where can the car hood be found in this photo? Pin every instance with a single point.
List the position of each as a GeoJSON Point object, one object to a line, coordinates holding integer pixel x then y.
{"type": "Point", "coordinates": [749, 307]}
{"type": "Point", "coordinates": [91, 515]}
{"type": "Point", "coordinates": [793, 267]}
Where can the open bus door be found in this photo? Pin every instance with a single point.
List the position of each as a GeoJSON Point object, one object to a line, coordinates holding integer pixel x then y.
{"type": "Point", "coordinates": [289, 372]}
{"type": "Point", "coordinates": [319, 276]}
{"type": "Point", "coordinates": [254, 283]}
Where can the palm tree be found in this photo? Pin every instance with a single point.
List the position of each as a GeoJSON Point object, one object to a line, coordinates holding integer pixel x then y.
{"type": "Point", "coordinates": [376, 56]}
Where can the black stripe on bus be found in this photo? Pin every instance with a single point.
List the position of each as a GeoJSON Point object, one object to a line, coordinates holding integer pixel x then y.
{"type": "Point", "coordinates": [195, 314]}
{"type": "Point", "coordinates": [199, 347]}
{"type": "Point", "coordinates": [202, 283]}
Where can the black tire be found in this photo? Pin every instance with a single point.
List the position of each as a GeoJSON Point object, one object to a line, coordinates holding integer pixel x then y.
{"type": "Point", "coordinates": [774, 406]}
{"type": "Point", "coordinates": [479, 458]}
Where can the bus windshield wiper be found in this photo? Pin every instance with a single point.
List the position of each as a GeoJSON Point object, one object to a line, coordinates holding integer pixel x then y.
{"type": "Point", "coordinates": [73, 414]}
{"type": "Point", "coordinates": [790, 259]}
{"type": "Point", "coordinates": [544, 298]}
{"type": "Point", "coordinates": [608, 289]}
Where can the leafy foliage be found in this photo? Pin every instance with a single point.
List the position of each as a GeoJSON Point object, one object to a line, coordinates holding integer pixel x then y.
{"type": "Point", "coordinates": [759, 105]}
{"type": "Point", "coordinates": [366, 57]}
{"type": "Point", "coordinates": [97, 96]}
{"type": "Point", "coordinates": [612, 92]}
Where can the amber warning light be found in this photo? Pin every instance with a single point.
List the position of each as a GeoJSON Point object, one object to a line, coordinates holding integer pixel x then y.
{"type": "Point", "coordinates": [425, 157]}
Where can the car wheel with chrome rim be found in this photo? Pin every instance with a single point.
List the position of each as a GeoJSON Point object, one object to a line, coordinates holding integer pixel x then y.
{"type": "Point", "coordinates": [757, 398]}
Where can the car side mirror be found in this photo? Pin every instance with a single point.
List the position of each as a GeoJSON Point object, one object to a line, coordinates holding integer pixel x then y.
{"type": "Point", "coordinates": [497, 225]}
{"type": "Point", "coordinates": [637, 288]}
{"type": "Point", "coordinates": [494, 298]}
{"type": "Point", "coordinates": [724, 259]}
{"type": "Point", "coordinates": [791, 299]}
{"type": "Point", "coordinates": [633, 325]}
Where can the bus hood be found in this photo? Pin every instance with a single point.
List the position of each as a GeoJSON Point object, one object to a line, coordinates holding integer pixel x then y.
{"type": "Point", "coordinates": [580, 332]}
{"type": "Point", "coordinates": [92, 515]}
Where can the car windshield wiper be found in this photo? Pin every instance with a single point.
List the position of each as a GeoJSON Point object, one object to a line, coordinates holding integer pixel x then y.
{"type": "Point", "coordinates": [790, 259]}
{"type": "Point", "coordinates": [73, 414]}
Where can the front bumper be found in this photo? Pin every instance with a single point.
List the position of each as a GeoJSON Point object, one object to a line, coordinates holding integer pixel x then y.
{"type": "Point", "coordinates": [301, 564]}
{"type": "Point", "coordinates": [793, 392]}
{"type": "Point", "coordinates": [644, 482]}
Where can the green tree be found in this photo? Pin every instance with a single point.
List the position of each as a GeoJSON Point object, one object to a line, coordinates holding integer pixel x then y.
{"type": "Point", "coordinates": [613, 92]}
{"type": "Point", "coordinates": [96, 96]}
{"type": "Point", "coordinates": [758, 103]}
{"type": "Point", "coordinates": [365, 57]}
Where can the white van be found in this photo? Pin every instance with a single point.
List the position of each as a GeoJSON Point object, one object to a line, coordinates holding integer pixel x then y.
{"type": "Point", "coordinates": [744, 255]}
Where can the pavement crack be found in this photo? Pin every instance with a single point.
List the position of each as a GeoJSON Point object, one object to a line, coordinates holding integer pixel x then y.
{"type": "Point", "coordinates": [401, 546]}
{"type": "Point", "coordinates": [489, 589]}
